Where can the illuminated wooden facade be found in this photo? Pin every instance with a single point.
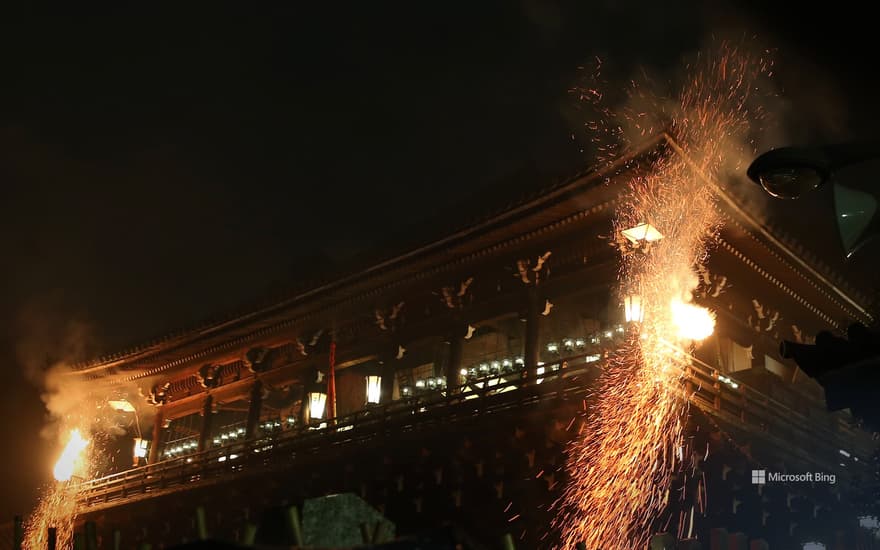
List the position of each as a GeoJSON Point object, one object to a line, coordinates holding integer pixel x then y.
{"type": "Point", "coordinates": [485, 343]}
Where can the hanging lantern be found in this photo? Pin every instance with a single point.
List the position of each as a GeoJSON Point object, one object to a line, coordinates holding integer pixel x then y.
{"type": "Point", "coordinates": [642, 233]}
{"type": "Point", "coordinates": [121, 405]}
{"type": "Point", "coordinates": [140, 451]}
{"type": "Point", "coordinates": [317, 400]}
{"type": "Point", "coordinates": [632, 309]}
{"type": "Point", "coordinates": [374, 389]}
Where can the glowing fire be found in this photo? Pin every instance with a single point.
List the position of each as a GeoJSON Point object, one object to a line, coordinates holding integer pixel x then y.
{"type": "Point", "coordinates": [57, 506]}
{"type": "Point", "coordinates": [620, 467]}
{"type": "Point", "coordinates": [693, 322]}
{"type": "Point", "coordinates": [70, 457]}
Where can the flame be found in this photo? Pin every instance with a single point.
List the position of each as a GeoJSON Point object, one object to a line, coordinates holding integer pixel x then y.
{"type": "Point", "coordinates": [71, 456]}
{"type": "Point", "coordinates": [693, 322]}
{"type": "Point", "coordinates": [57, 506]}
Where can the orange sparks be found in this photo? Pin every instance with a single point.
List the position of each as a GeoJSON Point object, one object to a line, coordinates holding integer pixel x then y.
{"type": "Point", "coordinates": [57, 506]}
{"type": "Point", "coordinates": [620, 470]}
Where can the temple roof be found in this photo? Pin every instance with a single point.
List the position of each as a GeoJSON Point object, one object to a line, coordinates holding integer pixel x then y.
{"type": "Point", "coordinates": [756, 213]}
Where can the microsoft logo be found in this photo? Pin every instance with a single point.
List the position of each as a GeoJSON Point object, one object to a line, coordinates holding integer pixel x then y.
{"type": "Point", "coordinates": [759, 477]}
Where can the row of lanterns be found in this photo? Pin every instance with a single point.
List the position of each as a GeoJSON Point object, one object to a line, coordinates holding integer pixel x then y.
{"type": "Point", "coordinates": [231, 435]}
{"type": "Point", "coordinates": [426, 384]}
{"type": "Point", "coordinates": [182, 448]}
{"type": "Point", "coordinates": [494, 367]}
{"type": "Point", "coordinates": [579, 344]}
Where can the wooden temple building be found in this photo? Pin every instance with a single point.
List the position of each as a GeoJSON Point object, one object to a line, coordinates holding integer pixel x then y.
{"type": "Point", "coordinates": [461, 370]}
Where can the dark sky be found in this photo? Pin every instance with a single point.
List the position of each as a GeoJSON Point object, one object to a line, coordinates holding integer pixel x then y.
{"type": "Point", "coordinates": [156, 170]}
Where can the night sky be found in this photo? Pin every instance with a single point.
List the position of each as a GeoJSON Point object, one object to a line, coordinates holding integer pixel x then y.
{"type": "Point", "coordinates": [157, 169]}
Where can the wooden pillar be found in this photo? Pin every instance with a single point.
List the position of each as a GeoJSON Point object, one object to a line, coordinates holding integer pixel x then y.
{"type": "Point", "coordinates": [453, 361]}
{"type": "Point", "coordinates": [331, 383]}
{"type": "Point", "coordinates": [158, 433]}
{"type": "Point", "coordinates": [304, 405]}
{"type": "Point", "coordinates": [255, 408]}
{"type": "Point", "coordinates": [387, 371]}
{"type": "Point", "coordinates": [207, 414]}
{"type": "Point", "coordinates": [737, 541]}
{"type": "Point", "coordinates": [533, 321]}
{"type": "Point", "coordinates": [718, 539]}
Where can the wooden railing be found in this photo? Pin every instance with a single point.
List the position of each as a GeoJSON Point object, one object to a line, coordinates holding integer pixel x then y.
{"type": "Point", "coordinates": [815, 441]}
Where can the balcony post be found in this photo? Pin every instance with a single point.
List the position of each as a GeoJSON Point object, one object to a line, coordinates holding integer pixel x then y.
{"type": "Point", "coordinates": [533, 320]}
{"type": "Point", "coordinates": [331, 383]}
{"type": "Point", "coordinates": [158, 433]}
{"type": "Point", "coordinates": [255, 408]}
{"type": "Point", "coordinates": [387, 371]}
{"type": "Point", "coordinates": [454, 344]}
{"type": "Point", "coordinates": [207, 413]}
{"type": "Point", "coordinates": [304, 402]}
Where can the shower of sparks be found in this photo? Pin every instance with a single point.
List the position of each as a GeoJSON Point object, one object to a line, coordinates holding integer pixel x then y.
{"type": "Point", "coordinates": [620, 469]}
{"type": "Point", "coordinates": [57, 506]}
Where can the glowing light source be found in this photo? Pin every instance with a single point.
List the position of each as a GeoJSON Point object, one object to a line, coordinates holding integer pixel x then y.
{"type": "Point", "coordinates": [317, 400]}
{"type": "Point", "coordinates": [632, 309]}
{"type": "Point", "coordinates": [374, 389]}
{"type": "Point", "coordinates": [71, 456]}
{"type": "Point", "coordinates": [643, 232]}
{"type": "Point", "coordinates": [140, 448]}
{"type": "Point", "coordinates": [121, 405]}
{"type": "Point", "coordinates": [621, 470]}
{"type": "Point", "coordinates": [692, 322]}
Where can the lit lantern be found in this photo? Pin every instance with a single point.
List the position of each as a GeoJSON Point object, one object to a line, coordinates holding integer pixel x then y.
{"type": "Point", "coordinates": [140, 450]}
{"type": "Point", "coordinates": [642, 233]}
{"type": "Point", "coordinates": [121, 405]}
{"type": "Point", "coordinates": [374, 389]}
{"type": "Point", "coordinates": [632, 309]}
{"type": "Point", "coordinates": [317, 400]}
{"type": "Point", "coordinates": [540, 372]}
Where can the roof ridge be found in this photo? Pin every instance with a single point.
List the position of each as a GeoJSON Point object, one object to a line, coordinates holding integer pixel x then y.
{"type": "Point", "coordinates": [317, 281]}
